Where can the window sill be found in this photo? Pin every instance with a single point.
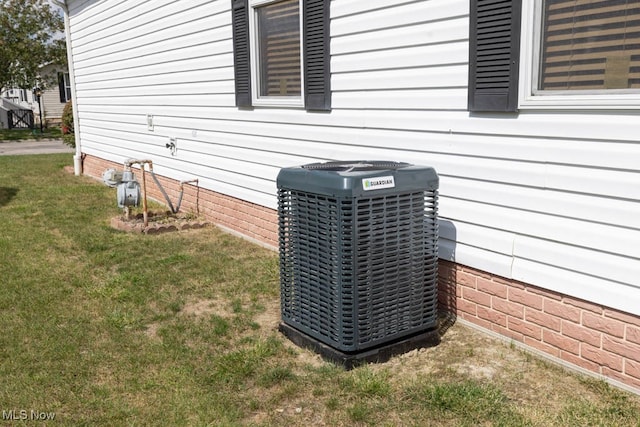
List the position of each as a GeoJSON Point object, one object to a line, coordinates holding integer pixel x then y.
{"type": "Point", "coordinates": [279, 102]}
{"type": "Point", "coordinates": [581, 102]}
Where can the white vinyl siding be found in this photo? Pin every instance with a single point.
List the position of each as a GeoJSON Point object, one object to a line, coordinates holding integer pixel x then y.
{"type": "Point", "coordinates": [547, 197]}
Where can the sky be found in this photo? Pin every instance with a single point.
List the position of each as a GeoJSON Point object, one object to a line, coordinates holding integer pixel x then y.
{"type": "Point", "coordinates": [57, 8]}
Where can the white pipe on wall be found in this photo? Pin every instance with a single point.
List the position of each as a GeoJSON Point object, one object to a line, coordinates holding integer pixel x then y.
{"type": "Point", "coordinates": [77, 158]}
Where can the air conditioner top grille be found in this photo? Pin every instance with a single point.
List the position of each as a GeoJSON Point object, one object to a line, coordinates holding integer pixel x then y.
{"type": "Point", "coordinates": [358, 166]}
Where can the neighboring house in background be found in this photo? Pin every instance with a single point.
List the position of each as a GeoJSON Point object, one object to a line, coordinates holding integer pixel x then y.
{"type": "Point", "coordinates": [53, 99]}
{"type": "Point", "coordinates": [533, 132]}
{"type": "Point", "coordinates": [21, 97]}
{"type": "Point", "coordinates": [54, 96]}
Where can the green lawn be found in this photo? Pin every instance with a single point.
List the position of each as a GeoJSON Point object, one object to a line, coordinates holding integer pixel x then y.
{"type": "Point", "coordinates": [7, 135]}
{"type": "Point", "coordinates": [107, 328]}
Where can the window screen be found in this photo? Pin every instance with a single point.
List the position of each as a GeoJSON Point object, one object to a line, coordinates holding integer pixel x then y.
{"type": "Point", "coordinates": [279, 50]}
{"type": "Point", "coordinates": [590, 45]}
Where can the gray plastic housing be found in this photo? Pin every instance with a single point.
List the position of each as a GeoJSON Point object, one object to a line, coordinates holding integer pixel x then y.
{"type": "Point", "coordinates": [349, 178]}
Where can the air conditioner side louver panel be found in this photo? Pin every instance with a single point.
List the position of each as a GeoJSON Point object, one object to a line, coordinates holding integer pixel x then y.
{"type": "Point", "coordinates": [358, 270]}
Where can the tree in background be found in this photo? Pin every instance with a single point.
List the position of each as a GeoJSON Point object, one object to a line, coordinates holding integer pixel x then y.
{"type": "Point", "coordinates": [30, 36]}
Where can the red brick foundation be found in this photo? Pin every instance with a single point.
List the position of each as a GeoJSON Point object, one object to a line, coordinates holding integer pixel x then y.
{"type": "Point", "coordinates": [597, 339]}
{"type": "Point", "coordinates": [592, 337]}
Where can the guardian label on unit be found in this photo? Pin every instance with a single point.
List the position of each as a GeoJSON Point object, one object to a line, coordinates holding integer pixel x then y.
{"type": "Point", "coordinates": [378, 183]}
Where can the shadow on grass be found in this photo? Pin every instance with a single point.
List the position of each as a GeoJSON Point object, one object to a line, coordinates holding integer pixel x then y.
{"type": "Point", "coordinates": [6, 194]}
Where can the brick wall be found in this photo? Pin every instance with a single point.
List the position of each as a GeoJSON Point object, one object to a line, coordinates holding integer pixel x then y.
{"type": "Point", "coordinates": [595, 338]}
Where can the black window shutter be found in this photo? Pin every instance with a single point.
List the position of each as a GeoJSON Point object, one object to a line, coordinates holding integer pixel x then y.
{"type": "Point", "coordinates": [317, 57]}
{"type": "Point", "coordinates": [494, 55]}
{"type": "Point", "coordinates": [241, 57]}
{"type": "Point", "coordinates": [61, 88]}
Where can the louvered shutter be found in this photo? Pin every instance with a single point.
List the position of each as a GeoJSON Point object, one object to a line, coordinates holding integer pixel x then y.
{"type": "Point", "coordinates": [494, 55]}
{"type": "Point", "coordinates": [241, 57]}
{"type": "Point", "coordinates": [317, 57]}
{"type": "Point", "coordinates": [590, 45]}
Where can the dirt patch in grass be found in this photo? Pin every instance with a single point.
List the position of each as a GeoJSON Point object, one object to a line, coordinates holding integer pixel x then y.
{"type": "Point", "coordinates": [158, 223]}
{"type": "Point", "coordinates": [206, 307]}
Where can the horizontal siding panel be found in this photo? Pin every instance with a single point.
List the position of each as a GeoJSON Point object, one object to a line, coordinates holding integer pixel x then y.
{"type": "Point", "coordinates": [398, 37]}
{"type": "Point", "coordinates": [348, 120]}
{"type": "Point", "coordinates": [146, 17]}
{"type": "Point", "coordinates": [267, 158]}
{"type": "Point", "coordinates": [429, 99]}
{"type": "Point", "coordinates": [597, 127]}
{"type": "Point", "coordinates": [419, 56]}
{"type": "Point", "coordinates": [516, 167]}
{"type": "Point", "coordinates": [88, 13]}
{"type": "Point", "coordinates": [166, 101]}
{"type": "Point", "coordinates": [581, 260]}
{"type": "Point", "coordinates": [223, 156]}
{"type": "Point", "coordinates": [409, 78]}
{"type": "Point", "coordinates": [125, 137]}
{"type": "Point", "coordinates": [482, 259]}
{"type": "Point", "coordinates": [205, 76]}
{"type": "Point", "coordinates": [160, 72]}
{"type": "Point", "coordinates": [256, 173]}
{"type": "Point", "coordinates": [595, 181]}
{"type": "Point", "coordinates": [184, 89]}
{"type": "Point", "coordinates": [394, 145]}
{"type": "Point", "coordinates": [607, 238]}
{"type": "Point", "coordinates": [216, 40]}
{"type": "Point", "coordinates": [601, 129]}
{"type": "Point", "coordinates": [350, 7]}
{"type": "Point", "coordinates": [399, 15]}
{"type": "Point", "coordinates": [557, 203]}
{"type": "Point", "coordinates": [171, 39]}
{"type": "Point", "coordinates": [367, 130]}
{"type": "Point", "coordinates": [487, 169]}
{"type": "Point", "coordinates": [463, 132]}
{"type": "Point", "coordinates": [477, 236]}
{"type": "Point", "coordinates": [107, 64]}
{"type": "Point", "coordinates": [117, 32]}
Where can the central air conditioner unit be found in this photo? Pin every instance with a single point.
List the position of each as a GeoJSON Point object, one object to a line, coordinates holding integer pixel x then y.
{"type": "Point", "coordinates": [358, 245]}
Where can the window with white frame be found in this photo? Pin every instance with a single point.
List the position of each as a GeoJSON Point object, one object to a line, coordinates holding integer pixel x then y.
{"type": "Point", "coordinates": [584, 54]}
{"type": "Point", "coordinates": [281, 53]}
{"type": "Point", "coordinates": [554, 54]}
{"type": "Point", "coordinates": [589, 46]}
{"type": "Point", "coordinates": [277, 51]}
